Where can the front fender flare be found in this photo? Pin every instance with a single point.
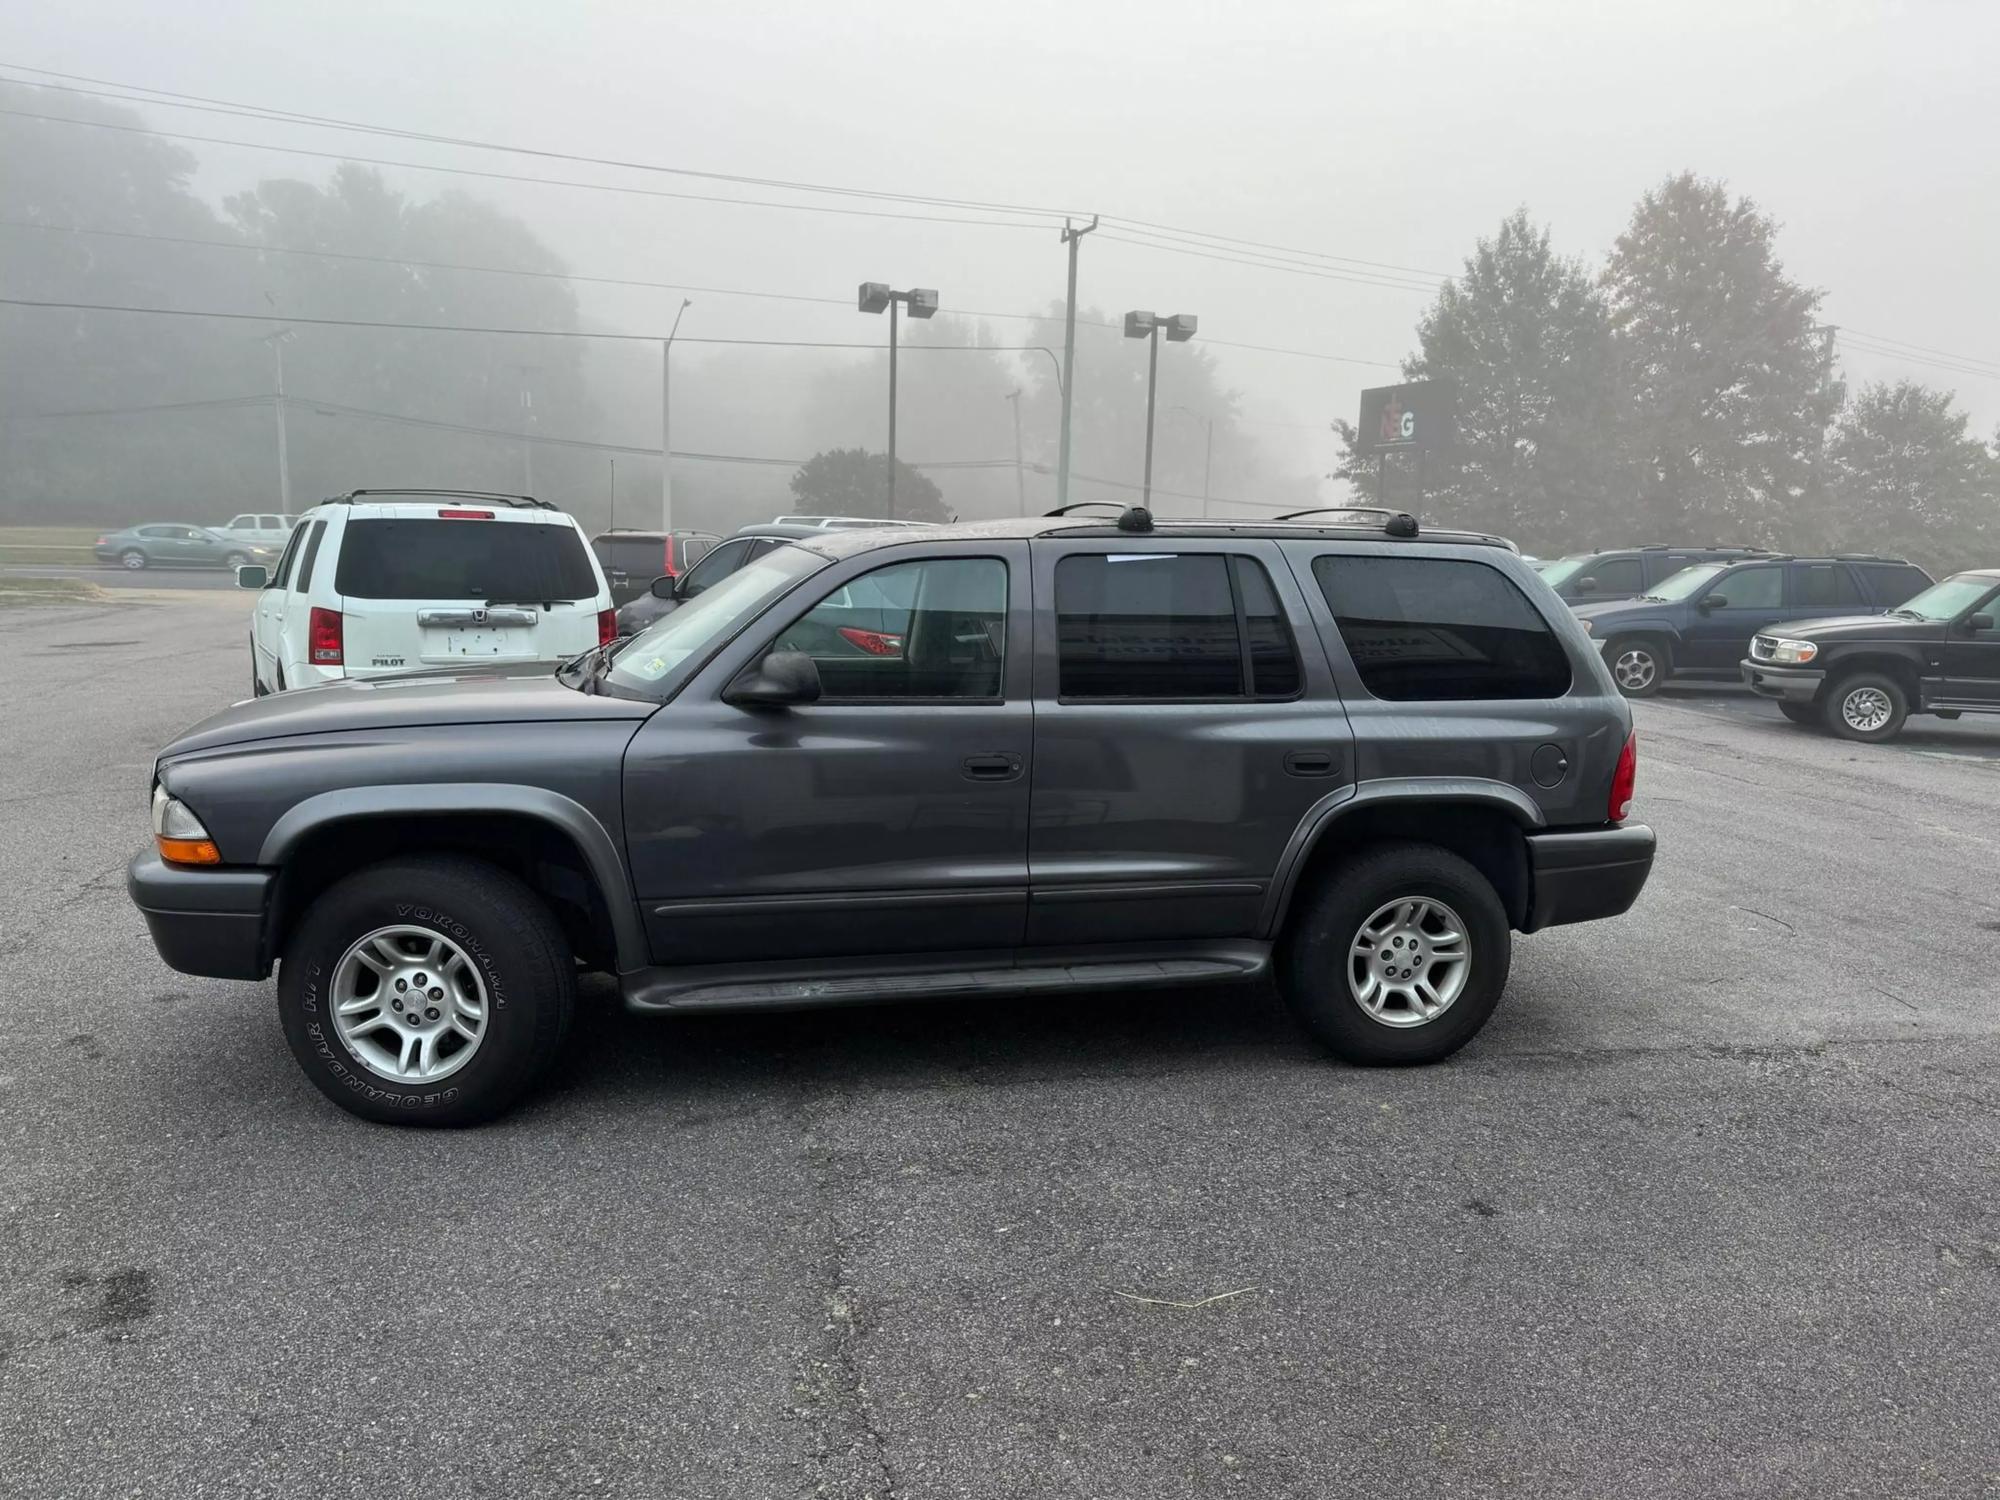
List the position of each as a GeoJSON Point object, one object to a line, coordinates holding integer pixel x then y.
{"type": "Point", "coordinates": [599, 849]}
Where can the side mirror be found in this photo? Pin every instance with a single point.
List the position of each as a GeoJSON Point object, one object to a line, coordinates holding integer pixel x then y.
{"type": "Point", "coordinates": [1709, 603]}
{"type": "Point", "coordinates": [1586, 585]}
{"type": "Point", "coordinates": [664, 587]}
{"type": "Point", "coordinates": [1978, 623]}
{"type": "Point", "coordinates": [253, 576]}
{"type": "Point", "coordinates": [779, 680]}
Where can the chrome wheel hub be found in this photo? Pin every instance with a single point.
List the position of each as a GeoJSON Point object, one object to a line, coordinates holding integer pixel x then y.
{"type": "Point", "coordinates": [1409, 961]}
{"type": "Point", "coordinates": [408, 1004]}
{"type": "Point", "coordinates": [1635, 669]}
{"type": "Point", "coordinates": [1865, 709]}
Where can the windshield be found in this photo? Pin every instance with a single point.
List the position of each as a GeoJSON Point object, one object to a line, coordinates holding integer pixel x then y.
{"type": "Point", "coordinates": [1684, 584]}
{"type": "Point", "coordinates": [1947, 600]}
{"type": "Point", "coordinates": [1560, 570]}
{"type": "Point", "coordinates": [657, 662]}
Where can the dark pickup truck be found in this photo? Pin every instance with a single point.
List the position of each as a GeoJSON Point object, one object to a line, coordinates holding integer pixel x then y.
{"type": "Point", "coordinates": [1051, 754]}
{"type": "Point", "coordinates": [1863, 676]}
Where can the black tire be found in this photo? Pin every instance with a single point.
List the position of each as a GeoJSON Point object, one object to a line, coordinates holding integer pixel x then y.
{"type": "Point", "coordinates": [236, 560]}
{"type": "Point", "coordinates": [523, 961]}
{"type": "Point", "coordinates": [1315, 960]}
{"type": "Point", "coordinates": [132, 558]}
{"type": "Point", "coordinates": [1849, 703]}
{"type": "Point", "coordinates": [256, 688]}
{"type": "Point", "coordinates": [1639, 664]}
{"type": "Point", "coordinates": [1801, 713]}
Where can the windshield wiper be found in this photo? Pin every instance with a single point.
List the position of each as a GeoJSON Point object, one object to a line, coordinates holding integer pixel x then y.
{"type": "Point", "coordinates": [1653, 599]}
{"type": "Point", "coordinates": [538, 603]}
{"type": "Point", "coordinates": [1908, 614]}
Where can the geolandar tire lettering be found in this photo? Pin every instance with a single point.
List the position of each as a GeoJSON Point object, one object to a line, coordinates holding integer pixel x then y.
{"type": "Point", "coordinates": [426, 991]}
{"type": "Point", "coordinates": [1397, 957]}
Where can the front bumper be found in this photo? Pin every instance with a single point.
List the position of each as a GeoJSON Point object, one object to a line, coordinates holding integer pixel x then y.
{"type": "Point", "coordinates": [1580, 877]}
{"type": "Point", "coordinates": [1787, 684]}
{"type": "Point", "coordinates": [208, 922]}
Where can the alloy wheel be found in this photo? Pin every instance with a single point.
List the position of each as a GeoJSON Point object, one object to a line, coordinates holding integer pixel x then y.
{"type": "Point", "coordinates": [1409, 962]}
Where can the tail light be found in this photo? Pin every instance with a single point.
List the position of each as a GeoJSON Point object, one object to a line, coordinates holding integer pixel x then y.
{"type": "Point", "coordinates": [1623, 781]}
{"type": "Point", "coordinates": [465, 515]}
{"type": "Point", "coordinates": [607, 626]}
{"type": "Point", "coordinates": [323, 636]}
{"type": "Point", "coordinates": [874, 642]}
{"type": "Point", "coordinates": [104, 541]}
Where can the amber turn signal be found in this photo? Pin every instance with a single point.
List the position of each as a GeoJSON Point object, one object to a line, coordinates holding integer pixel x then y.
{"type": "Point", "coordinates": [188, 851]}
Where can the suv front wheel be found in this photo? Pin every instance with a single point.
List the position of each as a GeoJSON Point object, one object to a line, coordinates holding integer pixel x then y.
{"type": "Point", "coordinates": [426, 991]}
{"type": "Point", "coordinates": [1867, 706]}
{"type": "Point", "coordinates": [1638, 665]}
{"type": "Point", "coordinates": [1399, 958]}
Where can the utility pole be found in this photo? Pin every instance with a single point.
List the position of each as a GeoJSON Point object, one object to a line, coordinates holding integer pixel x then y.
{"type": "Point", "coordinates": [1020, 479]}
{"type": "Point", "coordinates": [667, 420]}
{"type": "Point", "coordinates": [613, 526]}
{"type": "Point", "coordinates": [277, 340]}
{"type": "Point", "coordinates": [527, 428]}
{"type": "Point", "coordinates": [1072, 238]}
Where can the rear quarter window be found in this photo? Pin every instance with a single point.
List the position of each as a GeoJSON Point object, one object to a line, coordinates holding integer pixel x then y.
{"type": "Point", "coordinates": [1438, 629]}
{"type": "Point", "coordinates": [1893, 583]}
{"type": "Point", "coordinates": [385, 558]}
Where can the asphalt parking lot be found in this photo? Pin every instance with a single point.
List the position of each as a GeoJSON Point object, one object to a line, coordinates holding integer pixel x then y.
{"type": "Point", "coordinates": [1708, 1210]}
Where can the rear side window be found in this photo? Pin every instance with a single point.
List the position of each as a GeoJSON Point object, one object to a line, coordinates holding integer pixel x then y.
{"type": "Point", "coordinates": [1826, 586]}
{"type": "Point", "coordinates": [1894, 583]}
{"type": "Point", "coordinates": [1165, 626]}
{"type": "Point", "coordinates": [381, 558]}
{"type": "Point", "coordinates": [1428, 628]}
{"type": "Point", "coordinates": [284, 570]}
{"type": "Point", "coordinates": [311, 554]}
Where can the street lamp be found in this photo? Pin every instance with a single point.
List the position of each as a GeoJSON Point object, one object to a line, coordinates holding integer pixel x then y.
{"type": "Point", "coordinates": [922, 303]}
{"type": "Point", "coordinates": [667, 420]}
{"type": "Point", "coordinates": [1144, 325]}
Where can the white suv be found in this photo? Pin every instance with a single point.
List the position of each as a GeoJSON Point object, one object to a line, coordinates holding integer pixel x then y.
{"type": "Point", "coordinates": [382, 581]}
{"type": "Point", "coordinates": [254, 527]}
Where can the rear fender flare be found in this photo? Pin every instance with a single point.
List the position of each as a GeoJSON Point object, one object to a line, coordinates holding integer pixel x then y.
{"type": "Point", "coordinates": [571, 818]}
{"type": "Point", "coordinates": [1427, 791]}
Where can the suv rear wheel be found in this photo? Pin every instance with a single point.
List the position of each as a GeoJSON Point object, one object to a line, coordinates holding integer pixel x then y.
{"type": "Point", "coordinates": [1867, 706]}
{"type": "Point", "coordinates": [426, 991]}
{"type": "Point", "coordinates": [1638, 664]}
{"type": "Point", "coordinates": [1399, 957]}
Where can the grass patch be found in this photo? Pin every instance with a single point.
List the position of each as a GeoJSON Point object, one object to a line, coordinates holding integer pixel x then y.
{"type": "Point", "coordinates": [49, 546]}
{"type": "Point", "coordinates": [17, 592]}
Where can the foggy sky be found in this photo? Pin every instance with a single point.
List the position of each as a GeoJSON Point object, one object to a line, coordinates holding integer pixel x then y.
{"type": "Point", "coordinates": [1389, 132]}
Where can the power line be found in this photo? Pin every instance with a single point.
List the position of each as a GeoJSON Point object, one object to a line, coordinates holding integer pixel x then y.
{"type": "Point", "coordinates": [1269, 265]}
{"type": "Point", "coordinates": [1901, 356]}
{"type": "Point", "coordinates": [1172, 231]}
{"type": "Point", "coordinates": [1879, 338]}
{"type": "Point", "coordinates": [598, 187]}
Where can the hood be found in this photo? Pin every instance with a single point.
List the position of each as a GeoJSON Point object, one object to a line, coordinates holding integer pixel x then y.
{"type": "Point", "coordinates": [1611, 607]}
{"type": "Point", "coordinates": [523, 694]}
{"type": "Point", "coordinates": [1855, 626]}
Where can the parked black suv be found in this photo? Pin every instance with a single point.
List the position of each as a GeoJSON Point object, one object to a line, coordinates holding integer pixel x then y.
{"type": "Point", "coordinates": [1699, 622]}
{"type": "Point", "coordinates": [1938, 653]}
{"type": "Point", "coordinates": [1626, 572]}
{"type": "Point", "coordinates": [1074, 755]}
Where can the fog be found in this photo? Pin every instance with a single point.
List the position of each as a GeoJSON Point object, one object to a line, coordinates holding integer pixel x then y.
{"type": "Point", "coordinates": [1300, 177]}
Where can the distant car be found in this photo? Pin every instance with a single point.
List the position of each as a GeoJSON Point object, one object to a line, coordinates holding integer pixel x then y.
{"type": "Point", "coordinates": [175, 544]}
{"type": "Point", "coordinates": [1862, 676]}
{"type": "Point", "coordinates": [1699, 622]}
{"type": "Point", "coordinates": [666, 593]}
{"type": "Point", "coordinates": [633, 559]}
{"type": "Point", "coordinates": [385, 581]}
{"type": "Point", "coordinates": [1626, 572]}
{"type": "Point", "coordinates": [260, 527]}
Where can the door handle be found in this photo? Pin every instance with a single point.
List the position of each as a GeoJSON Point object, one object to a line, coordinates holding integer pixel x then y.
{"type": "Point", "coordinates": [1310, 763]}
{"type": "Point", "coordinates": [992, 767]}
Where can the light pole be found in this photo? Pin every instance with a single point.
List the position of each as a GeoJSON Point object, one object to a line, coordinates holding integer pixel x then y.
{"type": "Point", "coordinates": [1144, 325]}
{"type": "Point", "coordinates": [922, 302]}
{"type": "Point", "coordinates": [666, 420]}
{"type": "Point", "coordinates": [1207, 452]}
{"type": "Point", "coordinates": [277, 339]}
{"type": "Point", "coordinates": [528, 372]}
{"type": "Point", "coordinates": [1020, 479]}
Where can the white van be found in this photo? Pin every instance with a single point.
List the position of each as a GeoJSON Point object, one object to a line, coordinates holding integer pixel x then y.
{"type": "Point", "coordinates": [383, 581]}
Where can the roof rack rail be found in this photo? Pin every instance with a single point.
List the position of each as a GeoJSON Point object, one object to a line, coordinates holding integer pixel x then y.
{"type": "Point", "coordinates": [1396, 523]}
{"type": "Point", "coordinates": [1868, 557]}
{"type": "Point", "coordinates": [1063, 510]}
{"type": "Point", "coordinates": [519, 502]}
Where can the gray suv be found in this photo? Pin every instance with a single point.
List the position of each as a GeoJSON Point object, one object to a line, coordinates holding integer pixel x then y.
{"type": "Point", "coordinates": [1051, 754]}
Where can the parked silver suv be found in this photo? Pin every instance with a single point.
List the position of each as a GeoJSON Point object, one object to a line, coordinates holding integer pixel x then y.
{"type": "Point", "coordinates": [1057, 754]}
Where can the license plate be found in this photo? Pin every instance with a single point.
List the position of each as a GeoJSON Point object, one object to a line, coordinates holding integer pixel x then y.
{"type": "Point", "coordinates": [473, 642]}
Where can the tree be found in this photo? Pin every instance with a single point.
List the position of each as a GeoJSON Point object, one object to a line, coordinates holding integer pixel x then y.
{"type": "Point", "coordinates": [1524, 337]}
{"type": "Point", "coordinates": [855, 482]}
{"type": "Point", "coordinates": [1729, 376]}
{"type": "Point", "coordinates": [1906, 478]}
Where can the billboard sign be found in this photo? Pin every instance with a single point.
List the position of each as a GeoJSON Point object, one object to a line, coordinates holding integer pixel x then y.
{"type": "Point", "coordinates": [1410, 418]}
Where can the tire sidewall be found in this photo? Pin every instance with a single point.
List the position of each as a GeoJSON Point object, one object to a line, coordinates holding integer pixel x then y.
{"type": "Point", "coordinates": [1652, 649]}
{"type": "Point", "coordinates": [513, 965]}
{"type": "Point", "coordinates": [132, 559]}
{"type": "Point", "coordinates": [1899, 707]}
{"type": "Point", "coordinates": [1315, 956]}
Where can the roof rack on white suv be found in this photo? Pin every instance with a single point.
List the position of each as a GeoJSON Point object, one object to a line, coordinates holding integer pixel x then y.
{"type": "Point", "coordinates": [492, 497]}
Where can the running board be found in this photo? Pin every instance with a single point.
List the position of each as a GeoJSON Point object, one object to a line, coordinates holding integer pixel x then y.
{"type": "Point", "coordinates": [659, 990]}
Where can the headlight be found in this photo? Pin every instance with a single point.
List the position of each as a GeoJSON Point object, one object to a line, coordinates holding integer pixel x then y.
{"type": "Point", "coordinates": [178, 832]}
{"type": "Point", "coordinates": [1586, 627]}
{"type": "Point", "coordinates": [1792, 653]}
